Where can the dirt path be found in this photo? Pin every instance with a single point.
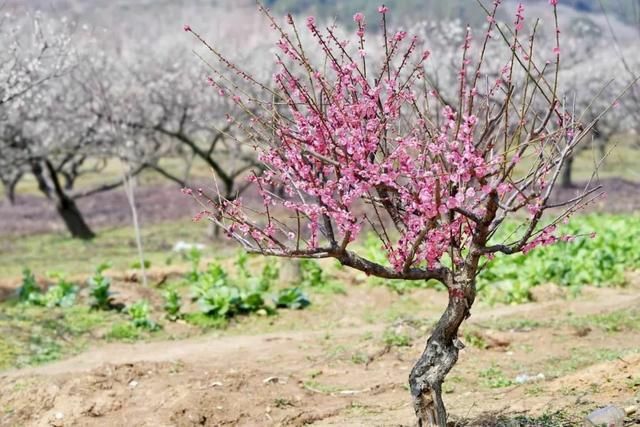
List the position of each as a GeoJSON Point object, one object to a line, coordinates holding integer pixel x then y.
{"type": "Point", "coordinates": [343, 376]}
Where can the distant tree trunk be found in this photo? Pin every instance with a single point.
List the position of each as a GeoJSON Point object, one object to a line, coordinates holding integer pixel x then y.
{"type": "Point", "coordinates": [65, 205]}
{"type": "Point", "coordinates": [10, 188]}
{"type": "Point", "coordinates": [73, 218]}
{"type": "Point", "coordinates": [566, 180]}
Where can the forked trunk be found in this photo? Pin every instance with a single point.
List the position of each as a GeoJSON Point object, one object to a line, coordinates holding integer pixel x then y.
{"type": "Point", "coordinates": [441, 353]}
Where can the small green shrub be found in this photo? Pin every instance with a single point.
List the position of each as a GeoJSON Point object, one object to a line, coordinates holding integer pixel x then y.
{"type": "Point", "coordinates": [123, 331]}
{"type": "Point", "coordinates": [29, 289]}
{"type": "Point", "coordinates": [137, 265]}
{"type": "Point", "coordinates": [139, 312]}
{"type": "Point", "coordinates": [62, 294]}
{"type": "Point", "coordinates": [292, 298]}
{"type": "Point", "coordinates": [312, 274]}
{"type": "Point", "coordinates": [172, 304]}
{"type": "Point", "coordinates": [395, 339]}
{"type": "Point", "coordinates": [99, 288]}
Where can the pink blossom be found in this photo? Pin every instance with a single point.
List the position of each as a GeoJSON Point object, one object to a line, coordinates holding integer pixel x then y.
{"type": "Point", "coordinates": [553, 2]}
{"type": "Point", "coordinates": [383, 9]}
{"type": "Point", "coordinates": [556, 50]}
{"type": "Point", "coordinates": [358, 17]}
{"type": "Point", "coordinates": [311, 22]}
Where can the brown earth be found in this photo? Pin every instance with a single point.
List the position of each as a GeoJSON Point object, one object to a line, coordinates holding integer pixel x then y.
{"type": "Point", "coordinates": [335, 369]}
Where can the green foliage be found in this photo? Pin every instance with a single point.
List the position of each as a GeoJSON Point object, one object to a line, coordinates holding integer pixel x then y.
{"type": "Point", "coordinates": [138, 265]}
{"type": "Point", "coordinates": [99, 288]}
{"type": "Point", "coordinates": [29, 288]}
{"type": "Point", "coordinates": [615, 321]}
{"type": "Point", "coordinates": [395, 339]}
{"type": "Point", "coordinates": [599, 261]}
{"type": "Point", "coordinates": [172, 304]}
{"type": "Point", "coordinates": [221, 296]}
{"type": "Point", "coordinates": [123, 331]}
{"type": "Point", "coordinates": [62, 294]}
{"type": "Point", "coordinates": [139, 312]}
{"type": "Point", "coordinates": [493, 377]}
{"type": "Point", "coordinates": [241, 263]}
{"type": "Point", "coordinates": [312, 274]}
{"type": "Point", "coordinates": [292, 298]}
{"type": "Point", "coordinates": [194, 256]}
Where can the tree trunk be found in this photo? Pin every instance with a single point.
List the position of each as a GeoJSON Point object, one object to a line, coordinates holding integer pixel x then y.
{"type": "Point", "coordinates": [566, 180]}
{"type": "Point", "coordinates": [10, 188]}
{"type": "Point", "coordinates": [441, 353]}
{"type": "Point", "coordinates": [65, 205]}
{"type": "Point", "coordinates": [73, 218]}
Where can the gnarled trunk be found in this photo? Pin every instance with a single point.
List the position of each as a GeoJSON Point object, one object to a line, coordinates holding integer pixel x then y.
{"type": "Point", "coordinates": [441, 353]}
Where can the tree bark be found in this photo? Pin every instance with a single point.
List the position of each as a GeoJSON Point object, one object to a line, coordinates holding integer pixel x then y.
{"type": "Point", "coordinates": [566, 180]}
{"type": "Point", "coordinates": [73, 219]}
{"type": "Point", "coordinates": [65, 205]}
{"type": "Point", "coordinates": [441, 353]}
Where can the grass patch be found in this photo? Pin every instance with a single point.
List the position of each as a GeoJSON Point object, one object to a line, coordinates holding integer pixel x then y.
{"type": "Point", "coordinates": [493, 377]}
{"type": "Point", "coordinates": [583, 357]}
{"type": "Point", "coordinates": [615, 321]}
{"type": "Point", "coordinates": [43, 252]}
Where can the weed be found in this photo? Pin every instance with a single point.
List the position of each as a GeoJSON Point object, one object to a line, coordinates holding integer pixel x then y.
{"type": "Point", "coordinates": [292, 298]}
{"type": "Point", "coordinates": [172, 304]}
{"type": "Point", "coordinates": [29, 288]}
{"type": "Point", "coordinates": [474, 339]}
{"type": "Point", "coordinates": [137, 265]}
{"type": "Point", "coordinates": [140, 316]}
{"type": "Point", "coordinates": [99, 288]}
{"type": "Point", "coordinates": [123, 331]}
{"type": "Point", "coordinates": [206, 322]}
{"type": "Point", "coordinates": [493, 377]}
{"type": "Point", "coordinates": [616, 321]}
{"type": "Point", "coordinates": [359, 358]}
{"type": "Point", "coordinates": [395, 339]}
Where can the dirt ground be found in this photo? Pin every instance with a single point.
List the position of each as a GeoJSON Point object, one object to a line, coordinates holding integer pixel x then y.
{"type": "Point", "coordinates": [334, 367]}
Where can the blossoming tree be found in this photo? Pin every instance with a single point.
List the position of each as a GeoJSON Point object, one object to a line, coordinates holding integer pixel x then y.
{"type": "Point", "coordinates": [366, 144]}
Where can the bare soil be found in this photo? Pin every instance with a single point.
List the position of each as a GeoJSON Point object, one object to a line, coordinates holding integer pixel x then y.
{"type": "Point", "coordinates": [335, 369]}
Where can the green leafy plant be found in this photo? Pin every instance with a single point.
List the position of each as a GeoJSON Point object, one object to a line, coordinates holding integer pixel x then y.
{"type": "Point", "coordinates": [194, 256]}
{"type": "Point", "coordinates": [241, 263]}
{"type": "Point", "coordinates": [395, 339]}
{"type": "Point", "coordinates": [29, 289]}
{"type": "Point", "coordinates": [138, 265]}
{"type": "Point", "coordinates": [62, 294]}
{"type": "Point", "coordinates": [292, 298]}
{"type": "Point", "coordinates": [312, 274]}
{"type": "Point", "coordinates": [597, 260]}
{"type": "Point", "coordinates": [139, 312]}
{"type": "Point", "coordinates": [99, 288]}
{"type": "Point", "coordinates": [172, 304]}
{"type": "Point", "coordinates": [270, 273]}
{"type": "Point", "coordinates": [493, 377]}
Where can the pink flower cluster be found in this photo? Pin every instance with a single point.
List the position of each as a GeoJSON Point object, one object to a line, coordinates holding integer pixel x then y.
{"type": "Point", "coordinates": [343, 153]}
